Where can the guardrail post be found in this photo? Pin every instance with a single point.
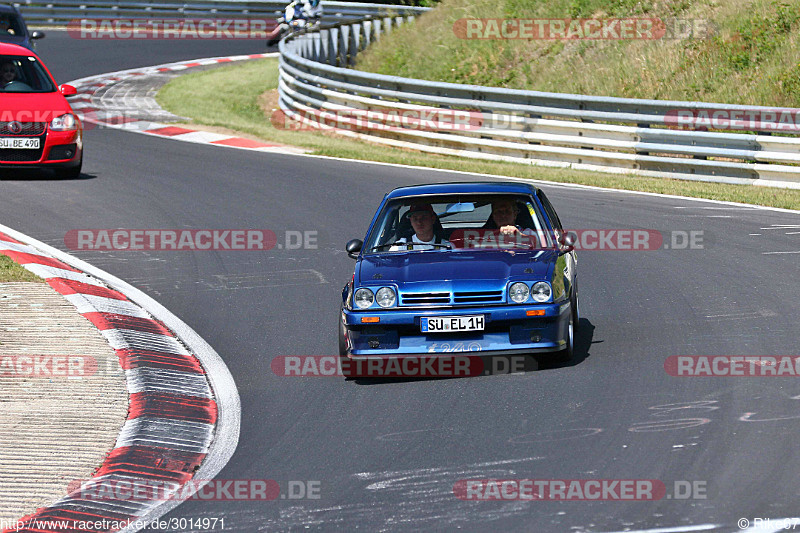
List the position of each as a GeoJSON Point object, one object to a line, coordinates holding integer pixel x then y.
{"type": "Point", "coordinates": [324, 43]}
{"type": "Point", "coordinates": [344, 43]}
{"type": "Point", "coordinates": [317, 36]}
{"type": "Point", "coordinates": [366, 27]}
{"type": "Point", "coordinates": [387, 25]}
{"type": "Point", "coordinates": [333, 46]}
{"type": "Point", "coordinates": [354, 44]}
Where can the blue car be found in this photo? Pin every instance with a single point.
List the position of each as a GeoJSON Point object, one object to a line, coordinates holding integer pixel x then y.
{"type": "Point", "coordinates": [14, 30]}
{"type": "Point", "coordinates": [481, 268]}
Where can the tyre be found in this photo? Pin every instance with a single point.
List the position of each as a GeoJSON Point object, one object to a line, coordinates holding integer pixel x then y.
{"type": "Point", "coordinates": [565, 355]}
{"type": "Point", "coordinates": [575, 305]}
{"type": "Point", "coordinates": [342, 339]}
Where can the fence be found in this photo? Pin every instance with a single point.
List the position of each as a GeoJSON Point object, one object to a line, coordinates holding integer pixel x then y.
{"type": "Point", "coordinates": [319, 89]}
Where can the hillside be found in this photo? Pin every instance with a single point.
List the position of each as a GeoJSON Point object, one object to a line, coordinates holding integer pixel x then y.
{"type": "Point", "coordinates": [742, 51]}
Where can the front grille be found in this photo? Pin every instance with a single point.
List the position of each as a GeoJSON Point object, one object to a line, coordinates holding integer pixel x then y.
{"type": "Point", "coordinates": [446, 298]}
{"type": "Point", "coordinates": [28, 128]}
{"type": "Point", "coordinates": [425, 298]}
{"type": "Point", "coordinates": [478, 297]}
{"type": "Point", "coordinates": [19, 155]}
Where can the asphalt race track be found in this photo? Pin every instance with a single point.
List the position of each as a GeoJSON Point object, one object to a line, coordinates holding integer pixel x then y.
{"type": "Point", "coordinates": [387, 454]}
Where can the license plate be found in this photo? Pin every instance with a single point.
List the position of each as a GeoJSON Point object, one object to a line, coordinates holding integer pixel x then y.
{"type": "Point", "coordinates": [24, 143]}
{"type": "Point", "coordinates": [443, 324]}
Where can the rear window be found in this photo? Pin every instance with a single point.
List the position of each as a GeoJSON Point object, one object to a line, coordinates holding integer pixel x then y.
{"type": "Point", "coordinates": [23, 74]}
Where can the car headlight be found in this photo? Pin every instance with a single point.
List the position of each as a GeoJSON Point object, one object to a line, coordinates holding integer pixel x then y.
{"type": "Point", "coordinates": [541, 292]}
{"type": "Point", "coordinates": [386, 297]}
{"type": "Point", "coordinates": [64, 123]}
{"type": "Point", "coordinates": [363, 298]}
{"type": "Point", "coordinates": [518, 292]}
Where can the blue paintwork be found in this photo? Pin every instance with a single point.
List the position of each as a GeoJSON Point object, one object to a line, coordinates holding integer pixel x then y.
{"type": "Point", "coordinates": [24, 39]}
{"type": "Point", "coordinates": [507, 328]}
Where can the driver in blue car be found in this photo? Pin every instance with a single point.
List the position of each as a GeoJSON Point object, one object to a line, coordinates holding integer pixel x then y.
{"type": "Point", "coordinates": [424, 222]}
{"type": "Point", "coordinates": [504, 215]}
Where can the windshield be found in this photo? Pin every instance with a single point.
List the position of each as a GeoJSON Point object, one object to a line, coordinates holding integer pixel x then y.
{"type": "Point", "coordinates": [24, 74]}
{"type": "Point", "coordinates": [450, 223]}
{"type": "Point", "coordinates": [10, 25]}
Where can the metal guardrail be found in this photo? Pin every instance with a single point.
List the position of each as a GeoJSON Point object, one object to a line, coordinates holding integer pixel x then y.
{"type": "Point", "coordinates": [61, 12]}
{"type": "Point", "coordinates": [319, 89]}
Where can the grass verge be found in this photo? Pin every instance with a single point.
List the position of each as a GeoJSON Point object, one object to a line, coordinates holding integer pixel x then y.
{"type": "Point", "coordinates": [241, 98]}
{"type": "Point", "coordinates": [735, 51]}
{"type": "Point", "coordinates": [11, 271]}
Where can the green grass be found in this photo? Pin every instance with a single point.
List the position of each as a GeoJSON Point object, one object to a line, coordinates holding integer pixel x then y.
{"type": "Point", "coordinates": [11, 271]}
{"type": "Point", "coordinates": [751, 57]}
{"type": "Point", "coordinates": [229, 97]}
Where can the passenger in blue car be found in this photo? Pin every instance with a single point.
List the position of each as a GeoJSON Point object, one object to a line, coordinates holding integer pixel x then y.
{"type": "Point", "coordinates": [425, 224]}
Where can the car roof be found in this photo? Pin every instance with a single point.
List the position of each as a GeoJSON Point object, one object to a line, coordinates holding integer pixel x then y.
{"type": "Point", "coordinates": [5, 8]}
{"type": "Point", "coordinates": [8, 49]}
{"type": "Point", "coordinates": [507, 187]}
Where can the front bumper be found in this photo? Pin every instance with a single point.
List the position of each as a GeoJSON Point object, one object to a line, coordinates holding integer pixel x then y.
{"type": "Point", "coordinates": [508, 330]}
{"type": "Point", "coordinates": [59, 149]}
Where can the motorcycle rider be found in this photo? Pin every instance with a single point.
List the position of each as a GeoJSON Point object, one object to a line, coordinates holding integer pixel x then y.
{"type": "Point", "coordinates": [309, 11]}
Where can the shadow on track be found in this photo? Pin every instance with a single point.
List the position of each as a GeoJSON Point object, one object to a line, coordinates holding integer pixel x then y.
{"type": "Point", "coordinates": [35, 174]}
{"type": "Point", "coordinates": [583, 343]}
{"type": "Point", "coordinates": [504, 365]}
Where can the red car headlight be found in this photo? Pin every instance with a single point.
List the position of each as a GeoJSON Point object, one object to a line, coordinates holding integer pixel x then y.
{"type": "Point", "coordinates": [66, 122]}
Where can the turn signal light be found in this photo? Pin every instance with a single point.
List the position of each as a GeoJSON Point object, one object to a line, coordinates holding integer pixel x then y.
{"type": "Point", "coordinates": [535, 312]}
{"type": "Point", "coordinates": [370, 319]}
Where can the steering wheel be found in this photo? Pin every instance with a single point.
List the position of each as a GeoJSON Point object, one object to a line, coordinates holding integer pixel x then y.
{"type": "Point", "coordinates": [17, 86]}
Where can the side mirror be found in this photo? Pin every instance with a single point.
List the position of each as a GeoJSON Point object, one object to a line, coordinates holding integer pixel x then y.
{"type": "Point", "coordinates": [353, 247]}
{"type": "Point", "coordinates": [567, 242]}
{"type": "Point", "coordinates": [37, 35]}
{"type": "Point", "coordinates": [68, 90]}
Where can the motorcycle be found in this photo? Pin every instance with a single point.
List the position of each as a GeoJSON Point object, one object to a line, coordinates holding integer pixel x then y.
{"type": "Point", "coordinates": [298, 15]}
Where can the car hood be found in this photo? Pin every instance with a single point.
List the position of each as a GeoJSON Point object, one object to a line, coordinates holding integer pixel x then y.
{"type": "Point", "coordinates": [460, 266]}
{"type": "Point", "coordinates": [15, 39]}
{"type": "Point", "coordinates": [32, 107]}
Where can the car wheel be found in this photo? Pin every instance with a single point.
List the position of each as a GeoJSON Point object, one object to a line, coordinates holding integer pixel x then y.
{"type": "Point", "coordinates": [70, 173]}
{"type": "Point", "coordinates": [576, 314]}
{"type": "Point", "coordinates": [565, 355]}
{"type": "Point", "coordinates": [342, 340]}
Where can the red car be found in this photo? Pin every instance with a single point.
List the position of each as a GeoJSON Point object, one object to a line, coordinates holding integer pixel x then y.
{"type": "Point", "coordinates": [38, 128]}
